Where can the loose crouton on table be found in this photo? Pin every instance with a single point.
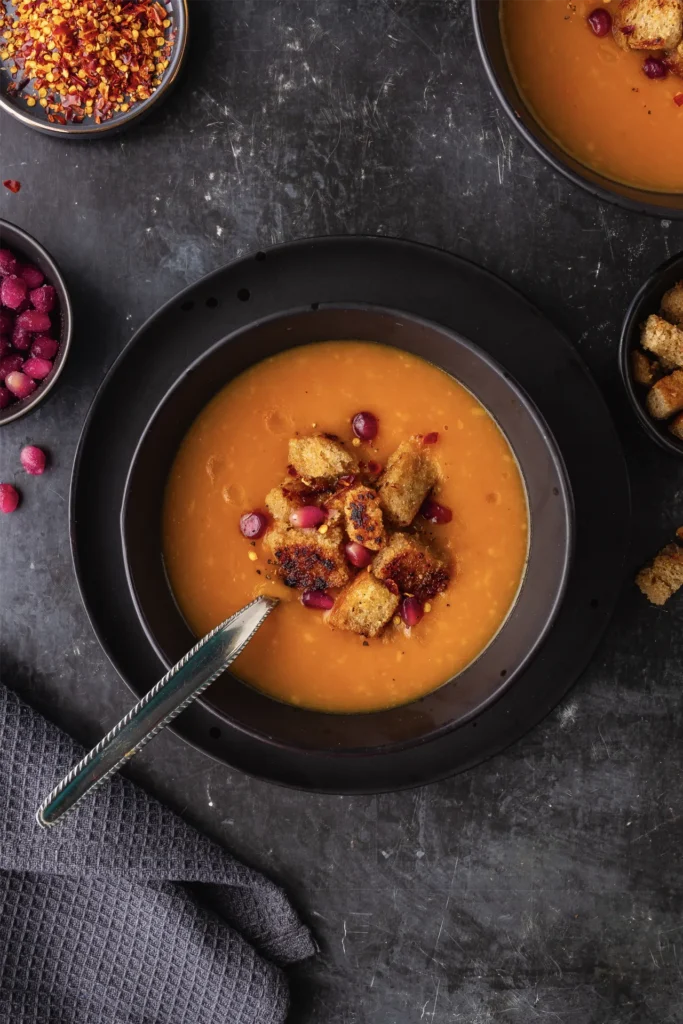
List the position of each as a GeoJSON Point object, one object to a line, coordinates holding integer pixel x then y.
{"type": "Point", "coordinates": [364, 607]}
{"type": "Point", "coordinates": [364, 522]}
{"type": "Point", "coordinates": [411, 568]}
{"type": "Point", "coordinates": [664, 576]}
{"type": "Point", "coordinates": [408, 478]}
{"type": "Point", "coordinates": [645, 371]}
{"type": "Point", "coordinates": [320, 456]}
{"type": "Point", "coordinates": [664, 339]}
{"type": "Point", "coordinates": [672, 304]}
{"type": "Point", "coordinates": [306, 559]}
{"type": "Point", "coordinates": [676, 426]}
{"type": "Point", "coordinates": [665, 398]}
{"type": "Point", "coordinates": [648, 24]}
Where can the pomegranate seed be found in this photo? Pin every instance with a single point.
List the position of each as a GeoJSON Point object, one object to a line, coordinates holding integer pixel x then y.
{"type": "Point", "coordinates": [253, 524]}
{"type": "Point", "coordinates": [655, 68]}
{"type": "Point", "coordinates": [8, 262]}
{"type": "Point", "coordinates": [411, 611]}
{"type": "Point", "coordinates": [8, 364]}
{"type": "Point", "coordinates": [317, 599]}
{"type": "Point", "coordinates": [33, 320]}
{"type": "Point", "coordinates": [20, 384]}
{"type": "Point", "coordinates": [435, 513]}
{"type": "Point", "coordinates": [33, 277]}
{"type": "Point", "coordinates": [13, 291]}
{"type": "Point", "coordinates": [600, 21]}
{"type": "Point", "coordinates": [5, 398]}
{"type": "Point", "coordinates": [357, 554]}
{"type": "Point", "coordinates": [431, 438]}
{"type": "Point", "coordinates": [307, 517]}
{"type": "Point", "coordinates": [365, 426]}
{"type": "Point", "coordinates": [9, 498]}
{"type": "Point", "coordinates": [12, 184]}
{"type": "Point", "coordinates": [44, 298]}
{"type": "Point", "coordinates": [21, 338]}
{"type": "Point", "coordinates": [33, 459]}
{"type": "Point", "coordinates": [44, 347]}
{"type": "Point", "coordinates": [6, 322]}
{"type": "Point", "coordinates": [37, 368]}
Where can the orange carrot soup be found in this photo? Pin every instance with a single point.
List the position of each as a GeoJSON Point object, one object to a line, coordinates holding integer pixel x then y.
{"type": "Point", "coordinates": [606, 94]}
{"type": "Point", "coordinates": [396, 554]}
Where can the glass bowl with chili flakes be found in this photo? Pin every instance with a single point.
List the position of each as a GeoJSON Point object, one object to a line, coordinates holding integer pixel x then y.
{"type": "Point", "coordinates": [85, 68]}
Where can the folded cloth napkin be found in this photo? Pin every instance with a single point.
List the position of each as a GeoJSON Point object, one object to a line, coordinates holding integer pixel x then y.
{"type": "Point", "coordinates": [124, 914]}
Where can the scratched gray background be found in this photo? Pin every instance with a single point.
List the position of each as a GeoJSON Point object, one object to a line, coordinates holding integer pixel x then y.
{"type": "Point", "coordinates": [545, 885]}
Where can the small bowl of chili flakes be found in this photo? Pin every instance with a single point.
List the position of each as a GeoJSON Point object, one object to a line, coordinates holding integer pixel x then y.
{"type": "Point", "coordinates": [86, 68]}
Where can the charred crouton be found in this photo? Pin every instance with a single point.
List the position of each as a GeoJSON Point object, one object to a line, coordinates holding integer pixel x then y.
{"type": "Point", "coordinates": [645, 371]}
{"type": "Point", "coordinates": [664, 339]}
{"type": "Point", "coordinates": [411, 568]}
{"type": "Point", "coordinates": [664, 576]}
{"type": "Point", "coordinates": [665, 398]}
{"type": "Point", "coordinates": [364, 607]}
{"type": "Point", "coordinates": [408, 478]}
{"type": "Point", "coordinates": [320, 456]}
{"type": "Point", "coordinates": [648, 24]}
{"type": "Point", "coordinates": [676, 426]}
{"type": "Point", "coordinates": [364, 522]}
{"type": "Point", "coordinates": [306, 559]}
{"type": "Point", "coordinates": [287, 498]}
{"type": "Point", "coordinates": [672, 304]}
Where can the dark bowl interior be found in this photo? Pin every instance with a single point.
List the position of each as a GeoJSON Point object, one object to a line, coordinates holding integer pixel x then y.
{"type": "Point", "coordinates": [550, 544]}
{"type": "Point", "coordinates": [647, 301]}
{"type": "Point", "coordinates": [487, 27]}
{"type": "Point", "coordinates": [30, 251]}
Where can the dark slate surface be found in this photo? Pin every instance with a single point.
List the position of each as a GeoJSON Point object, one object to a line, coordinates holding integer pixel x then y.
{"type": "Point", "coordinates": [545, 885]}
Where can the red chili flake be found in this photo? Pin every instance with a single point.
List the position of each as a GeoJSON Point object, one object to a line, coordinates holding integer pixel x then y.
{"type": "Point", "coordinates": [347, 479]}
{"type": "Point", "coordinates": [374, 468]}
{"type": "Point", "coordinates": [628, 30]}
{"type": "Point", "coordinates": [431, 438]}
{"type": "Point", "coordinates": [678, 99]}
{"type": "Point", "coordinates": [291, 471]}
{"type": "Point", "coordinates": [12, 184]}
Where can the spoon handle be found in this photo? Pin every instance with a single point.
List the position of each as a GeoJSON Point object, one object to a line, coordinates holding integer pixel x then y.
{"type": "Point", "coordinates": [179, 687]}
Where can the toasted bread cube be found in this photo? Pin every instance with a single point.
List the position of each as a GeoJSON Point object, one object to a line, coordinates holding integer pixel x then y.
{"type": "Point", "coordinates": [307, 559]}
{"type": "Point", "coordinates": [408, 478]}
{"type": "Point", "coordinates": [672, 304]}
{"type": "Point", "coordinates": [411, 568]}
{"type": "Point", "coordinates": [676, 428]}
{"type": "Point", "coordinates": [645, 371]}
{"type": "Point", "coordinates": [664, 339]}
{"type": "Point", "coordinates": [664, 576]}
{"type": "Point", "coordinates": [648, 24]}
{"type": "Point", "coordinates": [665, 398]}
{"type": "Point", "coordinates": [364, 522]}
{"type": "Point", "coordinates": [320, 456]}
{"type": "Point", "coordinates": [287, 498]}
{"type": "Point", "coordinates": [364, 607]}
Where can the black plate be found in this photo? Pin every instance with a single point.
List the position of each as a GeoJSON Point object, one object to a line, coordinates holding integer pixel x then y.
{"type": "Point", "coordinates": [427, 283]}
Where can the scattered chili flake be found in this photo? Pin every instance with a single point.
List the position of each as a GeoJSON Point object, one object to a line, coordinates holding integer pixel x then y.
{"type": "Point", "coordinates": [86, 58]}
{"type": "Point", "coordinates": [374, 468]}
{"type": "Point", "coordinates": [431, 438]}
{"type": "Point", "coordinates": [12, 184]}
{"type": "Point", "coordinates": [678, 99]}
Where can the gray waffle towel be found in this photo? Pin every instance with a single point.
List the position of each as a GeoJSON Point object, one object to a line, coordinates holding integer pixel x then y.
{"type": "Point", "coordinates": [124, 914]}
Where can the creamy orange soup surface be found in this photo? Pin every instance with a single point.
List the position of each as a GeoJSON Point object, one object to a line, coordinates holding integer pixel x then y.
{"type": "Point", "coordinates": [592, 96]}
{"type": "Point", "coordinates": [236, 451]}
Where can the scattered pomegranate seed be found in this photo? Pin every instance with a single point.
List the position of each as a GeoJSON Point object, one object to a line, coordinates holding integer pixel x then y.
{"type": "Point", "coordinates": [655, 68]}
{"type": "Point", "coordinates": [8, 364]}
{"type": "Point", "coordinates": [5, 398]}
{"type": "Point", "coordinates": [411, 611]}
{"type": "Point", "coordinates": [37, 368]}
{"type": "Point", "coordinates": [33, 277]}
{"type": "Point", "coordinates": [13, 291]}
{"type": "Point", "coordinates": [435, 513]}
{"type": "Point", "coordinates": [357, 554]}
{"type": "Point", "coordinates": [8, 262]}
{"type": "Point", "coordinates": [44, 298]}
{"type": "Point", "coordinates": [431, 438]}
{"type": "Point", "coordinates": [365, 426]}
{"type": "Point", "coordinates": [33, 459]}
{"type": "Point", "coordinates": [9, 498]}
{"type": "Point", "coordinates": [317, 599]}
{"type": "Point", "coordinates": [20, 384]}
{"type": "Point", "coordinates": [307, 517]}
{"type": "Point", "coordinates": [12, 184]}
{"type": "Point", "coordinates": [44, 347]}
{"type": "Point", "coordinates": [253, 524]}
{"type": "Point", "coordinates": [678, 99]}
{"type": "Point", "coordinates": [600, 21]}
{"type": "Point", "coordinates": [33, 320]}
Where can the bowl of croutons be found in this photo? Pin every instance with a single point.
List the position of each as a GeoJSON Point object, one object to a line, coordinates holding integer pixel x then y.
{"type": "Point", "coordinates": [651, 355]}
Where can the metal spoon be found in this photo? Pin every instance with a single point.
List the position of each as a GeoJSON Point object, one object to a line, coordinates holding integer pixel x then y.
{"type": "Point", "coordinates": [178, 688]}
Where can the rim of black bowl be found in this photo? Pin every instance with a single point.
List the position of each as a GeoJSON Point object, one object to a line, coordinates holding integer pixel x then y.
{"type": "Point", "coordinates": [180, 12]}
{"type": "Point", "coordinates": [28, 245]}
{"type": "Point", "coordinates": [649, 294]}
{"type": "Point", "coordinates": [639, 200]}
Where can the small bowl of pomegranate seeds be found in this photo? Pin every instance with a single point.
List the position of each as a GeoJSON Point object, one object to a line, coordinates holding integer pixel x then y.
{"type": "Point", "coordinates": [35, 323]}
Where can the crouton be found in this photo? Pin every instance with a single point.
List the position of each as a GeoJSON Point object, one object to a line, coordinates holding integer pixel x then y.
{"type": "Point", "coordinates": [664, 339]}
{"type": "Point", "coordinates": [645, 371]}
{"type": "Point", "coordinates": [665, 398]}
{"type": "Point", "coordinates": [648, 24]}
{"type": "Point", "coordinates": [364, 522]}
{"type": "Point", "coordinates": [676, 426]}
{"type": "Point", "coordinates": [364, 607]}
{"type": "Point", "coordinates": [411, 568]}
{"type": "Point", "coordinates": [287, 498]}
{"type": "Point", "coordinates": [306, 559]}
{"type": "Point", "coordinates": [664, 576]}
{"type": "Point", "coordinates": [672, 304]}
{"type": "Point", "coordinates": [321, 456]}
{"type": "Point", "coordinates": [408, 478]}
